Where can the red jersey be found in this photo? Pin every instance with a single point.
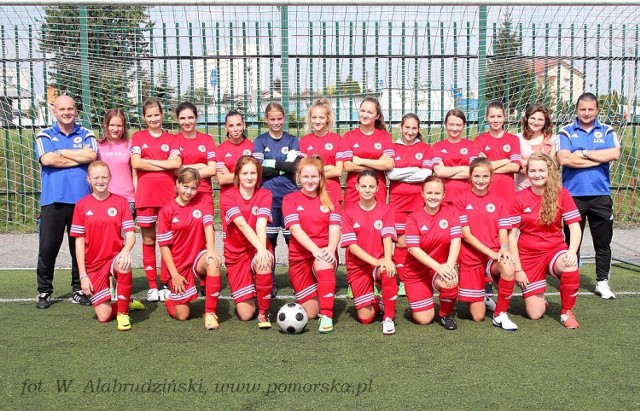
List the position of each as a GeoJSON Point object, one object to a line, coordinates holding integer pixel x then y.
{"type": "Point", "coordinates": [227, 154]}
{"type": "Point", "coordinates": [534, 237]}
{"type": "Point", "coordinates": [433, 234]}
{"type": "Point", "coordinates": [232, 206]}
{"type": "Point", "coordinates": [155, 188]}
{"type": "Point", "coordinates": [198, 150]}
{"type": "Point", "coordinates": [313, 217]}
{"type": "Point", "coordinates": [101, 224]}
{"type": "Point", "coordinates": [327, 148]}
{"type": "Point", "coordinates": [367, 229]}
{"type": "Point", "coordinates": [182, 229]}
{"type": "Point", "coordinates": [372, 147]}
{"type": "Point", "coordinates": [505, 147]}
{"type": "Point", "coordinates": [451, 155]}
{"type": "Point", "coordinates": [485, 216]}
{"type": "Point", "coordinates": [405, 196]}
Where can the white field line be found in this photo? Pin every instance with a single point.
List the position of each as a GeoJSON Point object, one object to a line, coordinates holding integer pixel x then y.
{"type": "Point", "coordinates": [291, 297]}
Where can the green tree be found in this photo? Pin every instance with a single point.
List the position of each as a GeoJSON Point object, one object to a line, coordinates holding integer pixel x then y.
{"type": "Point", "coordinates": [348, 87]}
{"type": "Point", "coordinates": [510, 75]}
{"type": "Point", "coordinates": [116, 37]}
{"type": "Point", "coordinates": [196, 96]}
{"type": "Point", "coordinates": [609, 103]}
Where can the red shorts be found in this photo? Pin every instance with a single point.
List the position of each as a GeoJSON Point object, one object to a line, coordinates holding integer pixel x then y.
{"type": "Point", "coordinates": [147, 216]}
{"type": "Point", "coordinates": [99, 276]}
{"type": "Point", "coordinates": [401, 219]}
{"type": "Point", "coordinates": [303, 279]}
{"type": "Point", "coordinates": [361, 278]}
{"type": "Point", "coordinates": [537, 266]}
{"type": "Point", "coordinates": [189, 273]}
{"type": "Point", "coordinates": [472, 281]}
{"type": "Point", "coordinates": [420, 292]}
{"type": "Point", "coordinates": [241, 278]}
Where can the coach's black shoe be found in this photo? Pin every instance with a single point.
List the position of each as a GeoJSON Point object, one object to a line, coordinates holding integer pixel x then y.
{"type": "Point", "coordinates": [78, 297]}
{"type": "Point", "coordinates": [448, 323]}
{"type": "Point", "coordinates": [44, 301]}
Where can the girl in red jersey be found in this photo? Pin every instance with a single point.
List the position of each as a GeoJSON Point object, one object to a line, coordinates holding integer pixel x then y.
{"type": "Point", "coordinates": [198, 150]}
{"type": "Point", "coordinates": [114, 148]}
{"type": "Point", "coordinates": [433, 238]}
{"type": "Point", "coordinates": [246, 209]}
{"type": "Point", "coordinates": [187, 244]}
{"type": "Point", "coordinates": [313, 216]}
{"type": "Point", "coordinates": [485, 223]}
{"type": "Point", "coordinates": [154, 156]}
{"type": "Point", "coordinates": [367, 147]}
{"type": "Point", "coordinates": [537, 240]}
{"type": "Point", "coordinates": [368, 235]}
{"type": "Point", "coordinates": [322, 141]}
{"type": "Point", "coordinates": [229, 151]}
{"type": "Point", "coordinates": [98, 222]}
{"type": "Point", "coordinates": [452, 156]}
{"type": "Point", "coordinates": [503, 150]}
{"type": "Point", "coordinates": [412, 167]}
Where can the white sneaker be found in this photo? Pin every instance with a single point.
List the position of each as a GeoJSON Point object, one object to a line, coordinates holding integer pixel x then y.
{"type": "Point", "coordinates": [388, 326]}
{"type": "Point", "coordinates": [163, 294]}
{"type": "Point", "coordinates": [502, 320]}
{"type": "Point", "coordinates": [490, 304]}
{"type": "Point", "coordinates": [152, 295]}
{"type": "Point", "coordinates": [602, 288]}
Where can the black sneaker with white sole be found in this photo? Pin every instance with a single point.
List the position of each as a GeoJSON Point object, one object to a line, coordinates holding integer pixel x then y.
{"type": "Point", "coordinates": [79, 297]}
{"type": "Point", "coordinates": [44, 301]}
{"type": "Point", "coordinates": [448, 323]}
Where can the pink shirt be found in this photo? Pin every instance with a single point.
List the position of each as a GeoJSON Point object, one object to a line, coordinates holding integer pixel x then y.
{"type": "Point", "coordinates": [118, 157]}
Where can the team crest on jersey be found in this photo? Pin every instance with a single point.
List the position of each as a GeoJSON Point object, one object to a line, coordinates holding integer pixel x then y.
{"type": "Point", "coordinates": [377, 146]}
{"type": "Point", "coordinates": [246, 152]}
{"type": "Point", "coordinates": [377, 224]}
{"type": "Point", "coordinates": [491, 208]}
{"type": "Point", "coordinates": [464, 151]}
{"type": "Point", "coordinates": [324, 208]}
{"type": "Point", "coordinates": [419, 156]}
{"type": "Point", "coordinates": [443, 224]}
{"type": "Point", "coordinates": [112, 212]}
{"type": "Point", "coordinates": [284, 150]}
{"type": "Point", "coordinates": [506, 148]}
{"type": "Point", "coordinates": [164, 147]}
{"type": "Point", "coordinates": [201, 148]}
{"type": "Point", "coordinates": [598, 137]}
{"type": "Point", "coordinates": [196, 214]}
{"type": "Point", "coordinates": [254, 210]}
{"type": "Point", "coordinates": [598, 134]}
{"type": "Point", "coordinates": [328, 146]}
{"type": "Point", "coordinates": [77, 140]}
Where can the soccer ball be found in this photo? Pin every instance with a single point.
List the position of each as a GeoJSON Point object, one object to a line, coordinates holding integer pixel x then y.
{"type": "Point", "coordinates": [292, 318]}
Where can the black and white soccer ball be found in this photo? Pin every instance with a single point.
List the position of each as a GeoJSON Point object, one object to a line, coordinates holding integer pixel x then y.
{"type": "Point", "coordinates": [292, 318]}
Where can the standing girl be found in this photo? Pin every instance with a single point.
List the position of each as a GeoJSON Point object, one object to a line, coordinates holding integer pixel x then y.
{"type": "Point", "coordinates": [503, 150]}
{"type": "Point", "coordinates": [367, 147]}
{"type": "Point", "coordinates": [322, 141]}
{"type": "Point", "coordinates": [537, 240]}
{"type": "Point", "coordinates": [229, 151]}
{"type": "Point", "coordinates": [433, 240]}
{"type": "Point", "coordinates": [246, 209]}
{"type": "Point", "coordinates": [368, 235]}
{"type": "Point", "coordinates": [98, 222]}
{"type": "Point", "coordinates": [485, 223]}
{"type": "Point", "coordinates": [114, 148]}
{"type": "Point", "coordinates": [278, 151]}
{"type": "Point", "coordinates": [187, 243]}
{"type": "Point", "coordinates": [313, 216]}
{"type": "Point", "coordinates": [154, 156]}
{"type": "Point", "coordinates": [537, 136]}
{"type": "Point", "coordinates": [412, 167]}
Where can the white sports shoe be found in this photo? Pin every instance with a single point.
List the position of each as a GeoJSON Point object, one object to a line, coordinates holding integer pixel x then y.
{"type": "Point", "coordinates": [602, 288]}
{"type": "Point", "coordinates": [163, 294]}
{"type": "Point", "coordinates": [388, 326]}
{"type": "Point", "coordinates": [152, 295]}
{"type": "Point", "coordinates": [503, 321]}
{"type": "Point", "coordinates": [490, 304]}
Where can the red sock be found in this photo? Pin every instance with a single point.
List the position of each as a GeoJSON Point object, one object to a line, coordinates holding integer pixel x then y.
{"type": "Point", "coordinates": [505, 290]}
{"type": "Point", "coordinates": [171, 308]}
{"type": "Point", "coordinates": [326, 290]}
{"type": "Point", "coordinates": [114, 312]}
{"type": "Point", "coordinates": [149, 263]}
{"type": "Point", "coordinates": [123, 291]}
{"type": "Point", "coordinates": [213, 286]}
{"type": "Point", "coordinates": [399, 258]}
{"type": "Point", "coordinates": [569, 284]}
{"type": "Point", "coordinates": [389, 295]}
{"type": "Point", "coordinates": [448, 298]}
{"type": "Point", "coordinates": [164, 273]}
{"type": "Point", "coordinates": [264, 283]}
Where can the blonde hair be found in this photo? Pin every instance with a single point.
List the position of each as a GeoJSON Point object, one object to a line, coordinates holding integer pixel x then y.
{"type": "Point", "coordinates": [552, 188]}
{"type": "Point", "coordinates": [315, 161]}
{"type": "Point", "coordinates": [320, 103]}
{"type": "Point", "coordinates": [96, 164]}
